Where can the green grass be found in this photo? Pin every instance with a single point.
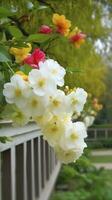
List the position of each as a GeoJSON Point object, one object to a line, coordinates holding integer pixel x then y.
{"type": "Point", "coordinates": [102, 126]}
{"type": "Point", "coordinates": [102, 159]}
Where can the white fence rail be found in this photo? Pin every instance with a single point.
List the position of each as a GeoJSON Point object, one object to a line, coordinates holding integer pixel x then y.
{"type": "Point", "coordinates": [99, 133]}
{"type": "Point", "coordinates": [28, 165]}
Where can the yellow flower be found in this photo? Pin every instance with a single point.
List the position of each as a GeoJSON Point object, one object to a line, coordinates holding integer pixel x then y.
{"type": "Point", "coordinates": [20, 53]}
{"type": "Point", "coordinates": [63, 25]}
{"type": "Point", "coordinates": [77, 37]}
{"type": "Point", "coordinates": [24, 76]}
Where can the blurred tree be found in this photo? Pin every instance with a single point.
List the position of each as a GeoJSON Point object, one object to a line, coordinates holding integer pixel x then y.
{"type": "Point", "coordinates": [89, 69]}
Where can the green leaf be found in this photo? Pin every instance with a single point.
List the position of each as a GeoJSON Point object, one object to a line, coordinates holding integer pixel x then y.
{"type": "Point", "coordinates": [15, 32]}
{"type": "Point", "coordinates": [1, 77]}
{"type": "Point", "coordinates": [38, 38]}
{"type": "Point", "coordinates": [3, 58]}
{"type": "Point", "coordinates": [4, 51]}
{"type": "Point", "coordinates": [8, 111]}
{"type": "Point", "coordinates": [71, 70]}
{"type": "Point", "coordinates": [4, 139]}
{"type": "Point", "coordinates": [4, 12]}
{"type": "Point", "coordinates": [26, 69]}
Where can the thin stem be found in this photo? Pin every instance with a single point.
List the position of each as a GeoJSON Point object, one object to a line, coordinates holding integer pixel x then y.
{"type": "Point", "coordinates": [48, 4]}
{"type": "Point", "coordinates": [10, 68]}
{"type": "Point", "coordinates": [50, 42]}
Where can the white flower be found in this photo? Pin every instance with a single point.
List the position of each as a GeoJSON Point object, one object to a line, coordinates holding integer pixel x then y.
{"type": "Point", "coordinates": [74, 137]}
{"type": "Point", "coordinates": [88, 120]}
{"type": "Point", "coordinates": [53, 130]}
{"type": "Point", "coordinates": [54, 70]}
{"type": "Point", "coordinates": [20, 118]}
{"type": "Point", "coordinates": [76, 100]}
{"type": "Point", "coordinates": [16, 91]}
{"type": "Point", "coordinates": [68, 156]}
{"type": "Point", "coordinates": [42, 120]}
{"type": "Point", "coordinates": [35, 105]}
{"type": "Point", "coordinates": [57, 102]}
{"type": "Point", "coordinates": [41, 83]}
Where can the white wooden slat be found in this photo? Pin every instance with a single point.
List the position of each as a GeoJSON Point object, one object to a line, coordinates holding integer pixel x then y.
{"type": "Point", "coordinates": [8, 130]}
{"type": "Point", "coordinates": [44, 159]}
{"type": "Point", "coordinates": [25, 171]}
{"type": "Point", "coordinates": [47, 160]}
{"type": "Point", "coordinates": [50, 184]}
{"type": "Point", "coordinates": [32, 169]}
{"type": "Point", "coordinates": [20, 139]}
{"type": "Point", "coordinates": [39, 166]}
{"type": "Point", "coordinates": [42, 162]}
{"type": "Point", "coordinates": [13, 174]}
{"type": "Point", "coordinates": [29, 171]}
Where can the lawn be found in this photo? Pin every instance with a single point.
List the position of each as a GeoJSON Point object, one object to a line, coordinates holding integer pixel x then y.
{"type": "Point", "coordinates": [102, 159]}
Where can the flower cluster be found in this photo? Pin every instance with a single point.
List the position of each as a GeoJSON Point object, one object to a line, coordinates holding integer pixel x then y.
{"type": "Point", "coordinates": [63, 27]}
{"type": "Point", "coordinates": [37, 96]}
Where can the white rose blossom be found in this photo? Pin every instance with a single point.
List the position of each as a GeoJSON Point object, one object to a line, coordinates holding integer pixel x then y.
{"type": "Point", "coordinates": [68, 156]}
{"type": "Point", "coordinates": [74, 137]}
{"type": "Point", "coordinates": [89, 120]}
{"type": "Point", "coordinates": [35, 105]}
{"type": "Point", "coordinates": [40, 99]}
{"type": "Point", "coordinates": [54, 71]}
{"type": "Point", "coordinates": [16, 91]}
{"type": "Point", "coordinates": [53, 129]}
{"type": "Point", "coordinates": [41, 83]}
{"type": "Point", "coordinates": [57, 102]}
{"type": "Point", "coordinates": [20, 118]}
{"type": "Point", "coordinates": [76, 100]}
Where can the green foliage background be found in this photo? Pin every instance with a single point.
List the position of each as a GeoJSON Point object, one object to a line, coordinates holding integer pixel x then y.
{"type": "Point", "coordinates": [85, 67]}
{"type": "Point", "coordinates": [83, 181]}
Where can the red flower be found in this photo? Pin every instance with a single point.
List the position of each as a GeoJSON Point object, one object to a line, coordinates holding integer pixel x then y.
{"type": "Point", "coordinates": [45, 29]}
{"type": "Point", "coordinates": [35, 58]}
{"type": "Point", "coordinates": [77, 39]}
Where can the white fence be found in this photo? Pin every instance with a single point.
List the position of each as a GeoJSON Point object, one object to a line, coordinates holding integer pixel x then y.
{"type": "Point", "coordinates": [28, 165]}
{"type": "Point", "coordinates": [99, 133]}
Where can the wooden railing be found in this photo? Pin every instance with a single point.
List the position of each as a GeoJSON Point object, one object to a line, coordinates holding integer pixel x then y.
{"type": "Point", "coordinates": [99, 133]}
{"type": "Point", "coordinates": [28, 165]}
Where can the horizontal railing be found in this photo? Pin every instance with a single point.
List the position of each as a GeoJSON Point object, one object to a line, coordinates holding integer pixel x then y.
{"type": "Point", "coordinates": [99, 133]}
{"type": "Point", "coordinates": [28, 165]}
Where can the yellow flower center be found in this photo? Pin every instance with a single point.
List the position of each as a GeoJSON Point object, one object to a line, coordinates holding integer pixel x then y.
{"type": "Point", "coordinates": [41, 82]}
{"type": "Point", "coordinates": [54, 129]}
{"type": "Point", "coordinates": [74, 101]}
{"type": "Point", "coordinates": [34, 103]}
{"type": "Point", "coordinates": [18, 92]}
{"type": "Point", "coordinates": [74, 136]}
{"type": "Point", "coordinates": [54, 71]}
{"type": "Point", "coordinates": [56, 103]}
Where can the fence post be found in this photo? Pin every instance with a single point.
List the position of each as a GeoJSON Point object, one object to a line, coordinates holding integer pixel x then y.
{"type": "Point", "coordinates": [106, 133]}
{"type": "Point", "coordinates": [95, 133]}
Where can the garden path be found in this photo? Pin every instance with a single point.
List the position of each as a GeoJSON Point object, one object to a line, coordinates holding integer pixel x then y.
{"type": "Point", "coordinates": [102, 152]}
{"type": "Point", "coordinates": [104, 165]}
